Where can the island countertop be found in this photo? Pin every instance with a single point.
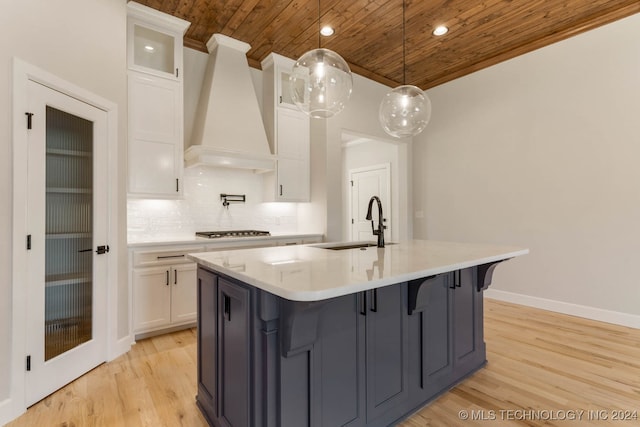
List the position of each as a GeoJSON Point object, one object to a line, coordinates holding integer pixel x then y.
{"type": "Point", "coordinates": [312, 272]}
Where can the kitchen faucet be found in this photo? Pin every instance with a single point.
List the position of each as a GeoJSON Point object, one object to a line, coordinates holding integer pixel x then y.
{"type": "Point", "coordinates": [380, 231]}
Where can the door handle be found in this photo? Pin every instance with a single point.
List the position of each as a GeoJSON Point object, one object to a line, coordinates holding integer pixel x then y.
{"type": "Point", "coordinates": [453, 281]}
{"type": "Point", "coordinates": [227, 308]}
{"type": "Point", "coordinates": [102, 249]}
{"type": "Point", "coordinates": [362, 297]}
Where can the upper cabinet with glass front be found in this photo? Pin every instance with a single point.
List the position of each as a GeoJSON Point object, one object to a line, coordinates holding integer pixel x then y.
{"type": "Point", "coordinates": [277, 90]}
{"type": "Point", "coordinates": [154, 41]}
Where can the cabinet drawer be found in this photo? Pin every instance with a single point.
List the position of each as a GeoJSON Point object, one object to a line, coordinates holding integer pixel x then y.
{"type": "Point", "coordinates": [164, 257]}
{"type": "Point", "coordinates": [227, 246]}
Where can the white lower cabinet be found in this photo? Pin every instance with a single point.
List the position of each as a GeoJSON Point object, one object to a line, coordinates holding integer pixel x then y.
{"type": "Point", "coordinates": [164, 281]}
{"type": "Point", "coordinates": [184, 293]}
{"type": "Point", "coordinates": [164, 296]}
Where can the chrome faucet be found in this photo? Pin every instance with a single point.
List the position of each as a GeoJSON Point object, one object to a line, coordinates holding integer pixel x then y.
{"type": "Point", "coordinates": [380, 231]}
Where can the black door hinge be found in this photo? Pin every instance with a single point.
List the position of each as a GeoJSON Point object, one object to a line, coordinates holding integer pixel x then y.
{"type": "Point", "coordinates": [29, 115]}
{"type": "Point", "coordinates": [28, 242]}
{"type": "Point", "coordinates": [29, 363]}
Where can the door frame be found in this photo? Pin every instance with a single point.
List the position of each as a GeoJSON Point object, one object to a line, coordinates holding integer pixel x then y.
{"type": "Point", "coordinates": [387, 209]}
{"type": "Point", "coordinates": [24, 72]}
{"type": "Point", "coordinates": [401, 183]}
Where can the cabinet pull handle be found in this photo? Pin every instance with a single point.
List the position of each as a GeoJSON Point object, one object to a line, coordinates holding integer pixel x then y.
{"type": "Point", "coordinates": [280, 99]}
{"type": "Point", "coordinates": [167, 278]}
{"type": "Point", "coordinates": [227, 308]}
{"type": "Point", "coordinates": [374, 303]}
{"type": "Point", "coordinates": [175, 276]}
{"type": "Point", "coordinates": [362, 297]}
{"type": "Point", "coordinates": [169, 256]}
{"type": "Point", "coordinates": [281, 189]}
{"type": "Point", "coordinates": [177, 185]}
{"type": "Point", "coordinates": [453, 281]}
{"type": "Point", "coordinates": [459, 281]}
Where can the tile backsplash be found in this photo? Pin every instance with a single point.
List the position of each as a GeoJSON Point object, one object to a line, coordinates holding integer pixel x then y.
{"type": "Point", "coordinates": [202, 210]}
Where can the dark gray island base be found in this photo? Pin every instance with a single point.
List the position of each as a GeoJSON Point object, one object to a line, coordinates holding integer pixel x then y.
{"type": "Point", "coordinates": [366, 359]}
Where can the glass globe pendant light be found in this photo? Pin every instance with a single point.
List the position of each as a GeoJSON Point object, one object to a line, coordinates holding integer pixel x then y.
{"type": "Point", "coordinates": [404, 111]}
{"type": "Point", "coordinates": [321, 81]}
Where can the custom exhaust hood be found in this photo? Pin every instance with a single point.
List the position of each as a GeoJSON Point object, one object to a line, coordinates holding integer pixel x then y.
{"type": "Point", "coordinates": [228, 129]}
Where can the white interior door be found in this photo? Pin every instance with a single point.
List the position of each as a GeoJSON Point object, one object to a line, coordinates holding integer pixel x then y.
{"type": "Point", "coordinates": [365, 183]}
{"type": "Point", "coordinates": [66, 219]}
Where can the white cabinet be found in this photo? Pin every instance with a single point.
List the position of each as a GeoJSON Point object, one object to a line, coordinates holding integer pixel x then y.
{"type": "Point", "coordinates": [155, 136]}
{"type": "Point", "coordinates": [155, 103]}
{"type": "Point", "coordinates": [164, 282]}
{"type": "Point", "coordinates": [184, 295]}
{"type": "Point", "coordinates": [154, 41]}
{"type": "Point", "coordinates": [164, 296]}
{"type": "Point", "coordinates": [164, 289]}
{"type": "Point", "coordinates": [152, 298]}
{"type": "Point", "coordinates": [288, 131]}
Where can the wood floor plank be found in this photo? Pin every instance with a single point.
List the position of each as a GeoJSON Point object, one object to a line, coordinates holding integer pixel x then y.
{"type": "Point", "coordinates": [539, 364]}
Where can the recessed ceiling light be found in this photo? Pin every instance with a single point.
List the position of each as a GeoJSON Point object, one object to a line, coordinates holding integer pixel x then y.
{"type": "Point", "coordinates": [149, 48]}
{"type": "Point", "coordinates": [440, 30]}
{"type": "Point", "coordinates": [327, 31]}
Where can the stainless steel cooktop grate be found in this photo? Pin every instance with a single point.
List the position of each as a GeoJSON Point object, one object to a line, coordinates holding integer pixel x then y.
{"type": "Point", "coordinates": [231, 233]}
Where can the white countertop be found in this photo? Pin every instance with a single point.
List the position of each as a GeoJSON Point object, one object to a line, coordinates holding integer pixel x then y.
{"type": "Point", "coordinates": [193, 240]}
{"type": "Point", "coordinates": [311, 273]}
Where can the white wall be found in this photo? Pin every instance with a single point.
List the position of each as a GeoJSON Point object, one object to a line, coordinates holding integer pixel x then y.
{"type": "Point", "coordinates": [360, 116]}
{"type": "Point", "coordinates": [370, 152]}
{"type": "Point", "coordinates": [542, 151]}
{"type": "Point", "coordinates": [83, 42]}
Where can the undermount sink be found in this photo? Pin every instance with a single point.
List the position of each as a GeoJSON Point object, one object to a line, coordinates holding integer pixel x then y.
{"type": "Point", "coordinates": [342, 246]}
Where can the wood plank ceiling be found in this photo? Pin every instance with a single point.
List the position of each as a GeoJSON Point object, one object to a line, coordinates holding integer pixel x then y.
{"type": "Point", "coordinates": [369, 33]}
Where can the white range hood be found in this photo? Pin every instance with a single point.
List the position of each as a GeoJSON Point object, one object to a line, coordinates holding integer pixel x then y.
{"type": "Point", "coordinates": [228, 130]}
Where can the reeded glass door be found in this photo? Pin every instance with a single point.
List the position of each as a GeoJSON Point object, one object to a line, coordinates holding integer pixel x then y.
{"type": "Point", "coordinates": [68, 231]}
{"type": "Point", "coordinates": [67, 221]}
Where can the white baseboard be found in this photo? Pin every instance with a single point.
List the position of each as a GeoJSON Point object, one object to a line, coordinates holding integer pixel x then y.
{"type": "Point", "coordinates": [120, 347]}
{"type": "Point", "coordinates": [593, 313]}
{"type": "Point", "coordinates": [7, 412]}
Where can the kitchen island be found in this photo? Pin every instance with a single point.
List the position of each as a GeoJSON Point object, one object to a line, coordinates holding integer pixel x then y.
{"type": "Point", "coordinates": [340, 336]}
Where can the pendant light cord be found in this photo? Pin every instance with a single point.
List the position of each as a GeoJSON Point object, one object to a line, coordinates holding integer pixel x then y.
{"type": "Point", "coordinates": [404, 52]}
{"type": "Point", "coordinates": [319, 38]}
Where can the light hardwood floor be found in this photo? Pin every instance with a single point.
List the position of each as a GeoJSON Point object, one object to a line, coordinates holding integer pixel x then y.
{"type": "Point", "coordinates": [543, 370]}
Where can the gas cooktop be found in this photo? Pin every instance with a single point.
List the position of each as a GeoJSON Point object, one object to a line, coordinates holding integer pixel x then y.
{"type": "Point", "coordinates": [231, 233]}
